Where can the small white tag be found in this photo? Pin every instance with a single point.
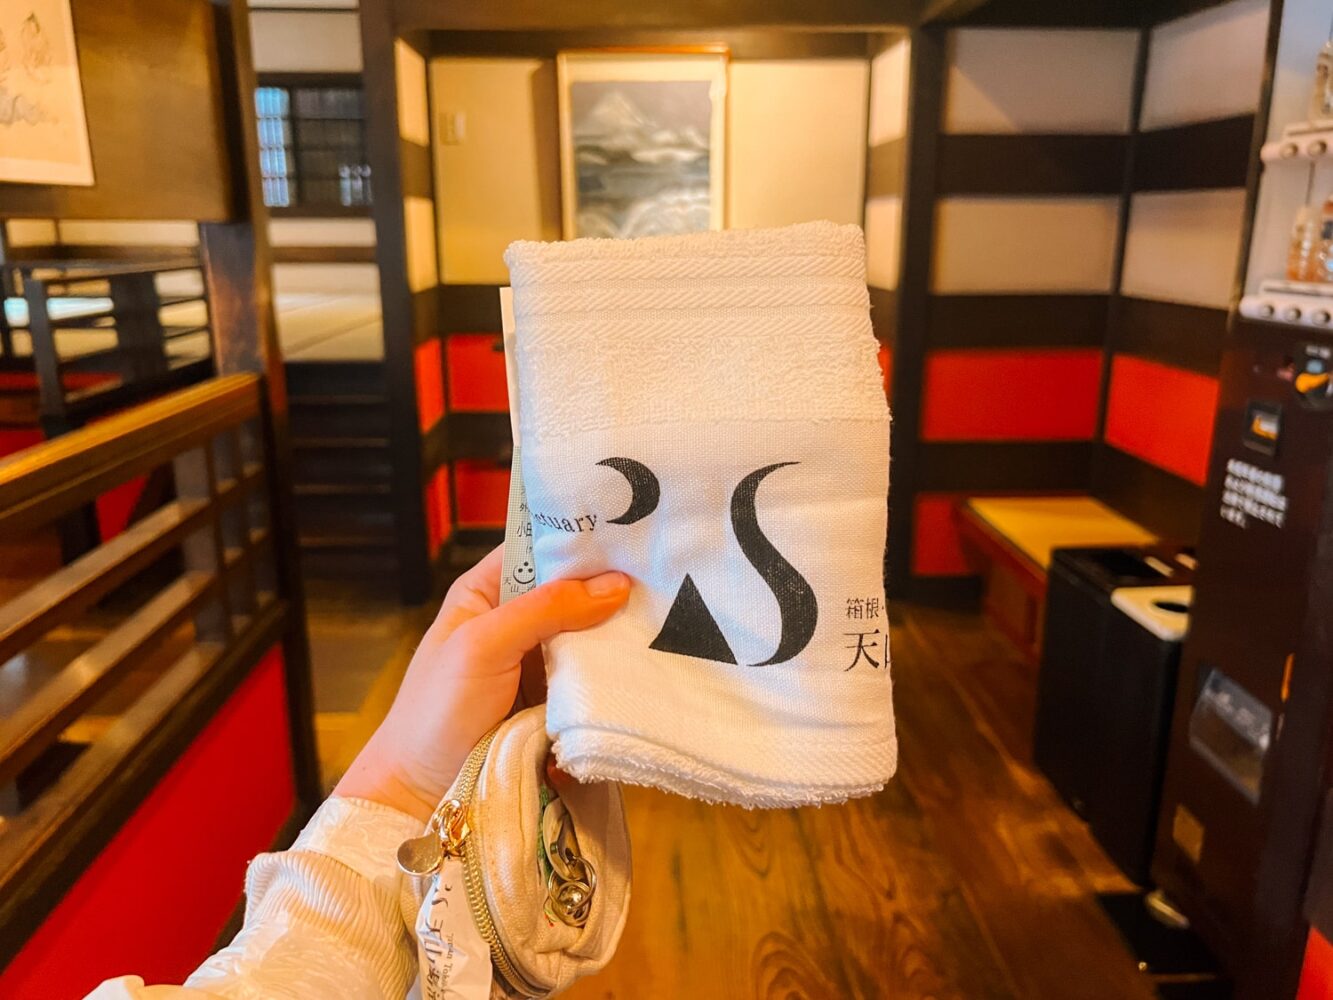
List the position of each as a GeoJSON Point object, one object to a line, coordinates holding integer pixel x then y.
{"type": "Point", "coordinates": [455, 962]}
{"type": "Point", "coordinates": [518, 573]}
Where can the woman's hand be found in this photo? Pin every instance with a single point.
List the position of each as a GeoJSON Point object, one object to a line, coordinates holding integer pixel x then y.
{"type": "Point", "coordinates": [463, 680]}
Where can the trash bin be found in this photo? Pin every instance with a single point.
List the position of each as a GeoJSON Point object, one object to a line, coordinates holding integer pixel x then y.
{"type": "Point", "coordinates": [1141, 658]}
{"type": "Point", "coordinates": [1079, 647]}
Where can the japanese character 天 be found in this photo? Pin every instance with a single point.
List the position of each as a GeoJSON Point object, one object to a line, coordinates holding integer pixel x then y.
{"type": "Point", "coordinates": [864, 646]}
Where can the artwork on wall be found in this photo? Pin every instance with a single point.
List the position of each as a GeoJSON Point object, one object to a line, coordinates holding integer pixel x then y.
{"type": "Point", "coordinates": [43, 132]}
{"type": "Point", "coordinates": [642, 142]}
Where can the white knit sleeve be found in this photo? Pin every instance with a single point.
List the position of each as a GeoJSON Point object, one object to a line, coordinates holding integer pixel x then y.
{"type": "Point", "coordinates": [321, 919]}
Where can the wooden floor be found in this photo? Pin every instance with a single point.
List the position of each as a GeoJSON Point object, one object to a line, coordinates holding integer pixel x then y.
{"type": "Point", "coordinates": [966, 879]}
{"type": "Point", "coordinates": [360, 644]}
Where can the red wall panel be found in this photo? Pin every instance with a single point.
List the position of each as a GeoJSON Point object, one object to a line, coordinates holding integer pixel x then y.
{"type": "Point", "coordinates": [70, 380]}
{"type": "Point", "coordinates": [477, 372]}
{"type": "Point", "coordinates": [482, 489]}
{"type": "Point", "coordinates": [438, 519]}
{"type": "Point", "coordinates": [937, 548]}
{"type": "Point", "coordinates": [14, 439]}
{"type": "Point", "coordinates": [428, 361]}
{"type": "Point", "coordinates": [1161, 414]}
{"type": "Point", "coordinates": [116, 506]}
{"type": "Point", "coordinates": [1317, 972]}
{"type": "Point", "coordinates": [1011, 395]}
{"type": "Point", "coordinates": [155, 900]}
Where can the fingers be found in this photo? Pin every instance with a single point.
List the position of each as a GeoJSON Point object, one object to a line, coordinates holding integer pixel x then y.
{"type": "Point", "coordinates": [498, 639]}
{"type": "Point", "coordinates": [472, 593]}
{"type": "Point", "coordinates": [481, 581]}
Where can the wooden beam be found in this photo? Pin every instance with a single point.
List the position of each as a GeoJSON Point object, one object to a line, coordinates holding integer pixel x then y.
{"type": "Point", "coordinates": [403, 318]}
{"type": "Point", "coordinates": [1163, 503]}
{"type": "Point", "coordinates": [615, 16]}
{"type": "Point", "coordinates": [70, 253]}
{"type": "Point", "coordinates": [925, 94]}
{"type": "Point", "coordinates": [1034, 164]}
{"type": "Point", "coordinates": [238, 273]}
{"type": "Point", "coordinates": [1194, 157]}
{"type": "Point", "coordinates": [1140, 83]}
{"type": "Point", "coordinates": [1016, 320]}
{"type": "Point", "coordinates": [323, 255]}
{"type": "Point", "coordinates": [1004, 466]}
{"type": "Point", "coordinates": [1062, 14]}
{"type": "Point", "coordinates": [741, 44]}
{"type": "Point", "coordinates": [469, 308]}
{"type": "Point", "coordinates": [949, 10]}
{"type": "Point", "coordinates": [1173, 333]}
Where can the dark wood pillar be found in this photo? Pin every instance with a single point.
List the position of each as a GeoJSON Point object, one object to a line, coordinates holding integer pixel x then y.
{"type": "Point", "coordinates": [404, 311]}
{"type": "Point", "coordinates": [237, 266]}
{"type": "Point", "coordinates": [917, 240]}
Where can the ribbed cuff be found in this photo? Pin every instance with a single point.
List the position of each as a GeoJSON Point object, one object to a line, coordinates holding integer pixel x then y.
{"type": "Point", "coordinates": [361, 834]}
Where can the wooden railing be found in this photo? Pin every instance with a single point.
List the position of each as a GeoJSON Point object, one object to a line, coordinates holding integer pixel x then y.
{"type": "Point", "coordinates": [100, 336]}
{"type": "Point", "coordinates": [113, 653]}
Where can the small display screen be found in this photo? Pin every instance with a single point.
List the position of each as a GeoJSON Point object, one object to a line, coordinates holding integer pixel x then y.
{"type": "Point", "coordinates": [1232, 730]}
{"type": "Point", "coordinates": [1263, 426]}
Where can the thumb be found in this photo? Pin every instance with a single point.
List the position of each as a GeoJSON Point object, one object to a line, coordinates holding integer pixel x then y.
{"type": "Point", "coordinates": [500, 637]}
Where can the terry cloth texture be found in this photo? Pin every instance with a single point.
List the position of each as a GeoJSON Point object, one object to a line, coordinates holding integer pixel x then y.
{"type": "Point", "coordinates": [705, 413]}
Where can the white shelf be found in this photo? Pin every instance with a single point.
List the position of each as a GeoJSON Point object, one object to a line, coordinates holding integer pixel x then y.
{"type": "Point", "coordinates": [1300, 142]}
{"type": "Point", "coordinates": [1294, 303]}
{"type": "Point", "coordinates": [1303, 289]}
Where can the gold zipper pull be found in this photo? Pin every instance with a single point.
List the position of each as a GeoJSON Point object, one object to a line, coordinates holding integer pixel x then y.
{"type": "Point", "coordinates": [421, 856]}
{"type": "Point", "coordinates": [453, 829]}
{"type": "Point", "coordinates": [445, 835]}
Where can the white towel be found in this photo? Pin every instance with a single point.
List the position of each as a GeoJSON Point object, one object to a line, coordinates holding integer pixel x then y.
{"type": "Point", "coordinates": [705, 413]}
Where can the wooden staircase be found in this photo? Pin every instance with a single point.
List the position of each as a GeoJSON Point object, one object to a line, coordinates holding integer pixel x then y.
{"type": "Point", "coordinates": [342, 469]}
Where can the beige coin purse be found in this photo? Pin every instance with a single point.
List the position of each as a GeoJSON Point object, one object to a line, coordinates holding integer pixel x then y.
{"type": "Point", "coordinates": [545, 872]}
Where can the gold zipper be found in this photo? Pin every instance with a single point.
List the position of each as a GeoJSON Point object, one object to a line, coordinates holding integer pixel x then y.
{"type": "Point", "coordinates": [455, 838]}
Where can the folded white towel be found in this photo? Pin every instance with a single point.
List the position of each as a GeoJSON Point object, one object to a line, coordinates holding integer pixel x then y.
{"type": "Point", "coordinates": [705, 413]}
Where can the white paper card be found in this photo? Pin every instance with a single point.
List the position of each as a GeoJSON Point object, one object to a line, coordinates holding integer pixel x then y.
{"type": "Point", "coordinates": [455, 962]}
{"type": "Point", "coordinates": [518, 573]}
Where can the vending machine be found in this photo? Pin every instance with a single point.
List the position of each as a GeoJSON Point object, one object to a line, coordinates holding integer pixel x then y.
{"type": "Point", "coordinates": [1248, 763]}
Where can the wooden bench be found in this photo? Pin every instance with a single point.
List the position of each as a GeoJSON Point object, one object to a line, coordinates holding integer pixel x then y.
{"type": "Point", "coordinates": [1009, 541]}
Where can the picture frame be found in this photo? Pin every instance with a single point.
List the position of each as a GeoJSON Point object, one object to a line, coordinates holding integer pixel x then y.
{"type": "Point", "coordinates": [642, 141]}
{"type": "Point", "coordinates": [43, 129]}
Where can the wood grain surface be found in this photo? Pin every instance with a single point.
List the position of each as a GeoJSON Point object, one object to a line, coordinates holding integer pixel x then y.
{"type": "Point", "coordinates": [966, 879]}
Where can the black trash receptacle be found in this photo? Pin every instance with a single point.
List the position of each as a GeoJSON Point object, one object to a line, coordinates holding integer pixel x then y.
{"type": "Point", "coordinates": [1135, 696]}
{"type": "Point", "coordinates": [1071, 727]}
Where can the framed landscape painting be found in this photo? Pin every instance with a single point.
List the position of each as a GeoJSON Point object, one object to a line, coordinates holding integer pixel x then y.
{"type": "Point", "coordinates": [642, 142]}
{"type": "Point", "coordinates": [43, 133]}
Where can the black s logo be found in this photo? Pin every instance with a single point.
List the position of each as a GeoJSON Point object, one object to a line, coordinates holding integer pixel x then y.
{"type": "Point", "coordinates": [690, 628]}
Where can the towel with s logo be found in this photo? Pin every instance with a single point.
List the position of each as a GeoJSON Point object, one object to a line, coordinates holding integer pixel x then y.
{"type": "Point", "coordinates": [706, 414]}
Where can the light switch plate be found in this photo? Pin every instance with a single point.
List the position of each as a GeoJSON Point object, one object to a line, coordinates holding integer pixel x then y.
{"type": "Point", "coordinates": [453, 126]}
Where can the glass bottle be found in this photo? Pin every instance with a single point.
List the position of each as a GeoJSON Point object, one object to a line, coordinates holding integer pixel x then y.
{"type": "Point", "coordinates": [1303, 253]}
{"type": "Point", "coordinates": [1324, 256]}
{"type": "Point", "coordinates": [1321, 97]}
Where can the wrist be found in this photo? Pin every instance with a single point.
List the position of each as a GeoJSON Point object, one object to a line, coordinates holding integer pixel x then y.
{"type": "Point", "coordinates": [372, 778]}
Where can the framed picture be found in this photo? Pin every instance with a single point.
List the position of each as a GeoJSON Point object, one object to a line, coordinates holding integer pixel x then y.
{"type": "Point", "coordinates": [642, 142]}
{"type": "Point", "coordinates": [43, 132]}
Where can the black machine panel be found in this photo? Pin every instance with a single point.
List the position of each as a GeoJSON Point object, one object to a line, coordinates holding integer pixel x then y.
{"type": "Point", "coordinates": [1250, 727]}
